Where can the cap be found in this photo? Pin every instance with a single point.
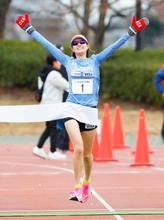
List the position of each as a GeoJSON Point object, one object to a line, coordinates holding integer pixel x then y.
{"type": "Point", "coordinates": [79, 36]}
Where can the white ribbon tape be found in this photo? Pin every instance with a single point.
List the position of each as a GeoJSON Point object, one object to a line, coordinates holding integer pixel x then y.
{"type": "Point", "coordinates": [47, 112]}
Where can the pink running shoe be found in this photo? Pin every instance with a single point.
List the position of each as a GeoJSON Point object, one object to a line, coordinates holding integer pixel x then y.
{"type": "Point", "coordinates": [86, 191]}
{"type": "Point", "coordinates": [76, 194]}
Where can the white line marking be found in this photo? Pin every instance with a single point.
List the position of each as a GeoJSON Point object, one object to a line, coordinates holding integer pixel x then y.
{"type": "Point", "coordinates": [158, 168]}
{"type": "Point", "coordinates": [36, 165]}
{"type": "Point", "coordinates": [52, 210]}
{"type": "Point", "coordinates": [105, 204]}
{"type": "Point", "coordinates": [130, 187]}
{"type": "Point", "coordinates": [28, 173]}
{"type": "Point", "coordinates": [85, 210]}
{"type": "Point", "coordinates": [151, 167]}
{"type": "Point", "coordinates": [95, 194]}
{"type": "Point", "coordinates": [119, 172]}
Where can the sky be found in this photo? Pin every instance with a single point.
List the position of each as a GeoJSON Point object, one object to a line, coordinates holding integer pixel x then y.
{"type": "Point", "coordinates": [34, 6]}
{"type": "Point", "coordinates": [46, 7]}
{"type": "Point", "coordinates": [48, 4]}
{"type": "Point", "coordinates": [124, 3]}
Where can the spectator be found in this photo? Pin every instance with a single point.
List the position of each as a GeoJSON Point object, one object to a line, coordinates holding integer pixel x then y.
{"type": "Point", "coordinates": [63, 139]}
{"type": "Point", "coordinates": [159, 83]}
{"type": "Point", "coordinates": [53, 90]}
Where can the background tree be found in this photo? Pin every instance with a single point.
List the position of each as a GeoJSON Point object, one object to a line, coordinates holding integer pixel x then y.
{"type": "Point", "coordinates": [4, 5]}
{"type": "Point", "coordinates": [138, 15]}
{"type": "Point", "coordinates": [156, 26]}
{"type": "Point", "coordinates": [94, 17]}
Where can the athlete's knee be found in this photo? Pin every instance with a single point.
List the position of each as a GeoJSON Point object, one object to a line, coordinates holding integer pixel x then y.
{"type": "Point", "coordinates": [78, 149]}
{"type": "Point", "coordinates": [88, 156]}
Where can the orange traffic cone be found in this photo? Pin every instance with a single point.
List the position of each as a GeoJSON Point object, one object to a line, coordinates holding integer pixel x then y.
{"type": "Point", "coordinates": [95, 147]}
{"type": "Point", "coordinates": [105, 149]}
{"type": "Point", "coordinates": [118, 136]}
{"type": "Point", "coordinates": [142, 148]}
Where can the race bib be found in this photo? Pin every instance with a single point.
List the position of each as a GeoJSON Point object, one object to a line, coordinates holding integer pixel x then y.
{"type": "Point", "coordinates": [82, 86]}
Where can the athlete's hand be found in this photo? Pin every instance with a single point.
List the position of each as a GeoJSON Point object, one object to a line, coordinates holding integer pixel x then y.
{"type": "Point", "coordinates": [24, 22]}
{"type": "Point", "coordinates": [137, 25]}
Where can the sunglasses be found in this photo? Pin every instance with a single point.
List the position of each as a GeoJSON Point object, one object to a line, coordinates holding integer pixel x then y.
{"type": "Point", "coordinates": [78, 41]}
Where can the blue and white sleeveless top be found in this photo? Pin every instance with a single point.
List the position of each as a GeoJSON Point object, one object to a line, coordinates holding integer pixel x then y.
{"type": "Point", "coordinates": [83, 74]}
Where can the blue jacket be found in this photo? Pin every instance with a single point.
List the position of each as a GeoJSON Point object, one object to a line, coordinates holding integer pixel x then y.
{"type": "Point", "coordinates": [159, 80]}
{"type": "Point", "coordinates": [83, 74]}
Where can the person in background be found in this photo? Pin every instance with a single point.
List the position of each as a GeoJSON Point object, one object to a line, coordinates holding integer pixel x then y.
{"type": "Point", "coordinates": [54, 87]}
{"type": "Point", "coordinates": [63, 139]}
{"type": "Point", "coordinates": [159, 83]}
{"type": "Point", "coordinates": [84, 82]}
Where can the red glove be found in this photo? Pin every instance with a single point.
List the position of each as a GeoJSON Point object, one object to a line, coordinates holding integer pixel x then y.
{"type": "Point", "coordinates": [24, 22]}
{"type": "Point", "coordinates": [137, 26]}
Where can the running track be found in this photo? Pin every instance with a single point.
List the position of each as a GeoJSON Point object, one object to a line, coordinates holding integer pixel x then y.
{"type": "Point", "coordinates": [30, 184]}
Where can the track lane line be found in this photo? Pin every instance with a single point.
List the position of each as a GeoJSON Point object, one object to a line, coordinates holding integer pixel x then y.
{"type": "Point", "coordinates": [95, 194]}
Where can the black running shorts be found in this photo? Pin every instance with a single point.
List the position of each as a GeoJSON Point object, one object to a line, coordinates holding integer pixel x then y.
{"type": "Point", "coordinates": [82, 126]}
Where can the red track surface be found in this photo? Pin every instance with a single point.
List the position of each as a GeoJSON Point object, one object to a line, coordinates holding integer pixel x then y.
{"type": "Point", "coordinates": [28, 183]}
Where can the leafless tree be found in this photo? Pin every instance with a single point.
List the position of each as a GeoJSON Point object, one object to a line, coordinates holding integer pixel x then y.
{"type": "Point", "coordinates": [94, 17]}
{"type": "Point", "coordinates": [149, 4]}
{"type": "Point", "coordinates": [138, 15]}
{"type": "Point", "coordinates": [4, 5]}
{"type": "Point", "coordinates": [152, 3]}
